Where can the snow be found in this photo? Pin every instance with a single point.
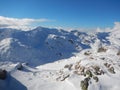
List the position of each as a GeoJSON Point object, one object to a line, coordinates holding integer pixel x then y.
{"type": "Point", "coordinates": [5, 45]}
{"type": "Point", "coordinates": [44, 53]}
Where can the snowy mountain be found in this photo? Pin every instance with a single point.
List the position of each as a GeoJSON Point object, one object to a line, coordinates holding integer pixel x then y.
{"type": "Point", "coordinates": [40, 45]}
{"type": "Point", "coordinates": [52, 59]}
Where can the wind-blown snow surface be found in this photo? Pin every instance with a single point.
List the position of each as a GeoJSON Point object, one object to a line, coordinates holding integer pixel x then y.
{"type": "Point", "coordinates": [56, 59]}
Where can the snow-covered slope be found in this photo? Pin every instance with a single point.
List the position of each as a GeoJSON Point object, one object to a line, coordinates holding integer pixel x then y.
{"type": "Point", "coordinates": [54, 59]}
{"type": "Point", "coordinates": [41, 45]}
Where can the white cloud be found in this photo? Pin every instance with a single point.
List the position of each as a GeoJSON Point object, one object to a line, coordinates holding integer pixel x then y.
{"type": "Point", "coordinates": [107, 29]}
{"type": "Point", "coordinates": [24, 23]}
{"type": "Point", "coordinates": [117, 26]}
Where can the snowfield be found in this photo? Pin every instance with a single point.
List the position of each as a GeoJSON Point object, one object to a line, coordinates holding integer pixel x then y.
{"type": "Point", "coordinates": [51, 59]}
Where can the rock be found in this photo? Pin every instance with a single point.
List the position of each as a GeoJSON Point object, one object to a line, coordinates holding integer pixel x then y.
{"type": "Point", "coordinates": [103, 58]}
{"type": "Point", "coordinates": [102, 49]}
{"type": "Point", "coordinates": [86, 79]}
{"type": "Point", "coordinates": [87, 53]}
{"type": "Point", "coordinates": [96, 78]}
{"type": "Point", "coordinates": [68, 66]}
{"type": "Point", "coordinates": [19, 66]}
{"type": "Point", "coordinates": [89, 73]}
{"type": "Point", "coordinates": [71, 41]}
{"type": "Point", "coordinates": [118, 53]}
{"type": "Point", "coordinates": [96, 68]}
{"type": "Point", "coordinates": [84, 84]}
{"type": "Point", "coordinates": [101, 72]}
{"type": "Point", "coordinates": [3, 74]}
{"type": "Point", "coordinates": [107, 65]}
{"type": "Point", "coordinates": [111, 70]}
{"type": "Point", "coordinates": [77, 67]}
{"type": "Point", "coordinates": [82, 70]}
{"type": "Point", "coordinates": [64, 77]}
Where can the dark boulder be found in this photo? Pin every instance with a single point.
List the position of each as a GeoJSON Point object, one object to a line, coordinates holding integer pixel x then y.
{"type": "Point", "coordinates": [3, 74]}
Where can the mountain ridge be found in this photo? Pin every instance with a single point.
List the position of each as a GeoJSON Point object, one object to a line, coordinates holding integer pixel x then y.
{"type": "Point", "coordinates": [39, 40]}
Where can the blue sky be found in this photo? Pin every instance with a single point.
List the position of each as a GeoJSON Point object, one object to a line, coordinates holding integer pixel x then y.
{"type": "Point", "coordinates": [64, 13]}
